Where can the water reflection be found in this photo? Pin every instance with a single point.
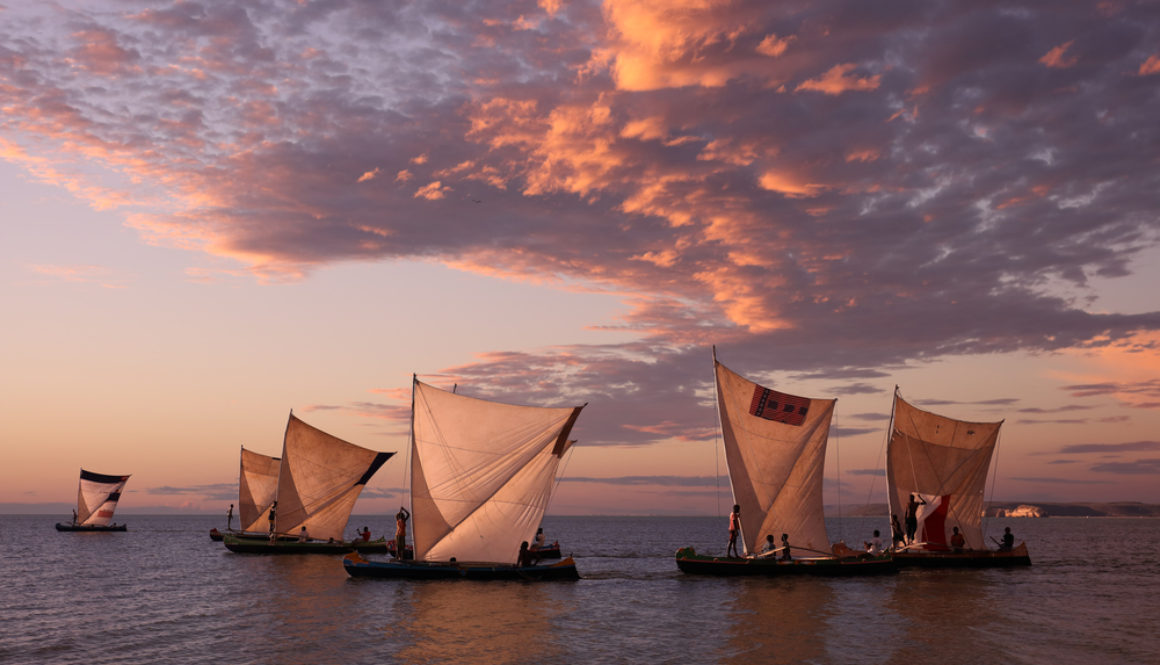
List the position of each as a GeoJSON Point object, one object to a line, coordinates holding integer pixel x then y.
{"type": "Point", "coordinates": [778, 621]}
{"type": "Point", "coordinates": [478, 622]}
{"type": "Point", "coordinates": [941, 613]}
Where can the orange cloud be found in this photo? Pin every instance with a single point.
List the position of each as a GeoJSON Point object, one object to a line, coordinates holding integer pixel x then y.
{"type": "Point", "coordinates": [432, 191]}
{"type": "Point", "coordinates": [837, 80]}
{"type": "Point", "coordinates": [369, 175]}
{"type": "Point", "coordinates": [790, 185]}
{"type": "Point", "coordinates": [774, 46]}
{"type": "Point", "coordinates": [1150, 66]}
{"type": "Point", "coordinates": [1056, 59]}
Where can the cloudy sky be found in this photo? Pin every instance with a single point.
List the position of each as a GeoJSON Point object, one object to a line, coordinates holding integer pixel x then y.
{"type": "Point", "coordinates": [213, 213]}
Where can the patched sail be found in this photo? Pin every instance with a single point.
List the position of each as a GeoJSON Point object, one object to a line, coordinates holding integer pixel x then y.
{"type": "Point", "coordinates": [944, 463]}
{"type": "Point", "coordinates": [97, 497]}
{"type": "Point", "coordinates": [481, 473]}
{"type": "Point", "coordinates": [319, 479]}
{"type": "Point", "coordinates": [257, 488]}
{"type": "Point", "coordinates": [775, 447]}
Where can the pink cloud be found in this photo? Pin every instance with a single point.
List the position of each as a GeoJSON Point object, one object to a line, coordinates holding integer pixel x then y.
{"type": "Point", "coordinates": [838, 80]}
{"type": "Point", "coordinates": [1056, 58]}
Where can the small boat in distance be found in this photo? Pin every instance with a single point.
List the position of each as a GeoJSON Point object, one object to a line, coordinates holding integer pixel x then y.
{"type": "Point", "coordinates": [97, 497]}
{"type": "Point", "coordinates": [775, 449]}
{"type": "Point", "coordinates": [936, 473]}
{"type": "Point", "coordinates": [319, 479]}
{"type": "Point", "coordinates": [481, 479]}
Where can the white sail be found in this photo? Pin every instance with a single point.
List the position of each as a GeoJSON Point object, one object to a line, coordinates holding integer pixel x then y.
{"type": "Point", "coordinates": [481, 473]}
{"type": "Point", "coordinates": [257, 488]}
{"type": "Point", "coordinates": [944, 462]}
{"type": "Point", "coordinates": [97, 497]}
{"type": "Point", "coordinates": [775, 447]}
{"type": "Point", "coordinates": [319, 480]}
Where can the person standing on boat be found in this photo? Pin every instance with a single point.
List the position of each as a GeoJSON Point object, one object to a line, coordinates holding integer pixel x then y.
{"type": "Point", "coordinates": [401, 531]}
{"type": "Point", "coordinates": [302, 537]}
{"type": "Point", "coordinates": [957, 541]}
{"type": "Point", "coordinates": [912, 516]}
{"type": "Point", "coordinates": [271, 516]}
{"type": "Point", "coordinates": [74, 517]}
{"type": "Point", "coordinates": [785, 553]}
{"type": "Point", "coordinates": [230, 518]}
{"type": "Point", "coordinates": [734, 529]}
{"type": "Point", "coordinates": [896, 535]}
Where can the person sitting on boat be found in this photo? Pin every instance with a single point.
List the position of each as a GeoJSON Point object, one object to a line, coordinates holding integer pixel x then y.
{"type": "Point", "coordinates": [897, 537]}
{"type": "Point", "coordinates": [957, 541]}
{"type": "Point", "coordinates": [1008, 541]}
{"type": "Point", "coordinates": [302, 537]}
{"type": "Point", "coordinates": [768, 548]}
{"type": "Point", "coordinates": [525, 559]}
{"type": "Point", "coordinates": [366, 534]}
{"type": "Point", "coordinates": [401, 531]}
{"type": "Point", "coordinates": [785, 554]}
{"type": "Point", "coordinates": [734, 529]}
{"type": "Point", "coordinates": [874, 547]}
{"type": "Point", "coordinates": [538, 543]}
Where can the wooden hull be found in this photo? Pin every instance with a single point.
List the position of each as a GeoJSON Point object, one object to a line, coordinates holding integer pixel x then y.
{"type": "Point", "coordinates": [967, 559]}
{"type": "Point", "coordinates": [357, 566]}
{"type": "Point", "coordinates": [264, 546]}
{"type": "Point", "coordinates": [694, 564]}
{"type": "Point", "coordinates": [90, 528]}
{"type": "Point", "coordinates": [547, 552]}
{"type": "Point", "coordinates": [380, 546]}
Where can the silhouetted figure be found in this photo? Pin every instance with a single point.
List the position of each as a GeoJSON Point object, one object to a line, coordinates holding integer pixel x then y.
{"type": "Point", "coordinates": [897, 537]}
{"type": "Point", "coordinates": [912, 516]}
{"type": "Point", "coordinates": [230, 518]}
{"type": "Point", "coordinates": [734, 529]}
{"type": "Point", "coordinates": [401, 531]}
{"type": "Point", "coordinates": [957, 541]}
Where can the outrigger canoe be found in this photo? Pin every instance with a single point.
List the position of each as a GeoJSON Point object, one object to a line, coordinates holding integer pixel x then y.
{"type": "Point", "coordinates": [264, 546]}
{"type": "Point", "coordinates": [917, 558]}
{"type": "Point", "coordinates": [698, 564]}
{"type": "Point", "coordinates": [91, 528]}
{"type": "Point", "coordinates": [357, 566]}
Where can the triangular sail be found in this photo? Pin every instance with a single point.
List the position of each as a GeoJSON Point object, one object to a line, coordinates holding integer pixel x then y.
{"type": "Point", "coordinates": [319, 480]}
{"type": "Point", "coordinates": [481, 473]}
{"type": "Point", "coordinates": [97, 497]}
{"type": "Point", "coordinates": [944, 462]}
{"type": "Point", "coordinates": [775, 447]}
{"type": "Point", "coordinates": [257, 487]}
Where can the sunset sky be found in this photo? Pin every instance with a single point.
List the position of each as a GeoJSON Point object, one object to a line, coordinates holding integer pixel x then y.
{"type": "Point", "coordinates": [214, 213]}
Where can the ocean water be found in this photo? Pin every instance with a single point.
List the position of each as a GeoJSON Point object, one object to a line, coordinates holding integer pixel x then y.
{"type": "Point", "coordinates": [164, 593]}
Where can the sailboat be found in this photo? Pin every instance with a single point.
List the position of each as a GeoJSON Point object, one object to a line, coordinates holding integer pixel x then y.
{"type": "Point", "coordinates": [481, 478]}
{"type": "Point", "coordinates": [97, 498]}
{"type": "Point", "coordinates": [257, 490]}
{"type": "Point", "coordinates": [940, 464]}
{"type": "Point", "coordinates": [319, 478]}
{"type": "Point", "coordinates": [775, 449]}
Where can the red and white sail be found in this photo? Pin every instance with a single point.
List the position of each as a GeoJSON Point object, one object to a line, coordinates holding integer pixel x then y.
{"type": "Point", "coordinates": [97, 497]}
{"type": "Point", "coordinates": [944, 462]}
{"type": "Point", "coordinates": [775, 447]}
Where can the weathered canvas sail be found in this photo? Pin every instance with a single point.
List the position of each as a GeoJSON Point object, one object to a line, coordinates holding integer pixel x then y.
{"type": "Point", "coordinates": [319, 480]}
{"type": "Point", "coordinates": [944, 462]}
{"type": "Point", "coordinates": [775, 447]}
{"type": "Point", "coordinates": [257, 487]}
{"type": "Point", "coordinates": [481, 473]}
{"type": "Point", "coordinates": [97, 497]}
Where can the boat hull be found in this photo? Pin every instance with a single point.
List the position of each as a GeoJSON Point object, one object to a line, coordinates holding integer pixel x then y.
{"type": "Point", "coordinates": [357, 566]}
{"type": "Point", "coordinates": [90, 528]}
{"type": "Point", "coordinates": [547, 552]}
{"type": "Point", "coordinates": [967, 559]}
{"type": "Point", "coordinates": [695, 564]}
{"type": "Point", "coordinates": [264, 546]}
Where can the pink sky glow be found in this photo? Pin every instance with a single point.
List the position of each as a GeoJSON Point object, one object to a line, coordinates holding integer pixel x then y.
{"type": "Point", "coordinates": [212, 213]}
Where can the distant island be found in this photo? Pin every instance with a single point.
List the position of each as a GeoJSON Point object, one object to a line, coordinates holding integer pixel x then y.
{"type": "Point", "coordinates": [1029, 509]}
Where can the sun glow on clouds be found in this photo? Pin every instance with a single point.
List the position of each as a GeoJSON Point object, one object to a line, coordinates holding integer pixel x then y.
{"type": "Point", "coordinates": [838, 80]}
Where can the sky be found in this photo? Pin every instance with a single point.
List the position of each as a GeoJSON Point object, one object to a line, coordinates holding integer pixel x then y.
{"type": "Point", "coordinates": [213, 214]}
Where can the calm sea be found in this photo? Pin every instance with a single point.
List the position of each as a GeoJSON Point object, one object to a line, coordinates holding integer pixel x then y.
{"type": "Point", "coordinates": [164, 593]}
